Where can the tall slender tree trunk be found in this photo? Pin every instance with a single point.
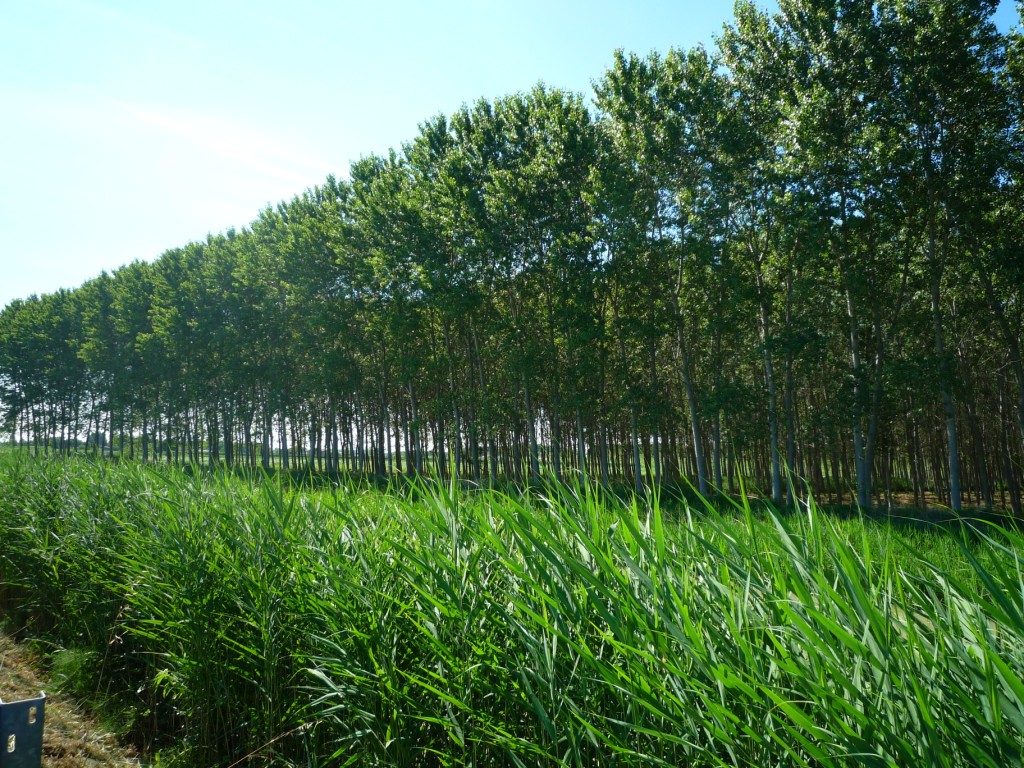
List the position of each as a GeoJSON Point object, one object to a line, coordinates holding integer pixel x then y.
{"type": "Point", "coordinates": [656, 455]}
{"type": "Point", "coordinates": [716, 448]}
{"type": "Point", "coordinates": [531, 430]}
{"type": "Point", "coordinates": [581, 444]}
{"type": "Point", "coordinates": [691, 403]}
{"type": "Point", "coordinates": [946, 390]}
{"type": "Point", "coordinates": [1009, 470]}
{"type": "Point", "coordinates": [769, 378]}
{"type": "Point", "coordinates": [979, 456]}
{"type": "Point", "coordinates": [492, 446]}
{"type": "Point", "coordinates": [773, 415]}
{"type": "Point", "coordinates": [604, 454]}
{"type": "Point", "coordinates": [1012, 341]}
{"type": "Point", "coordinates": [417, 443]}
{"type": "Point", "coordinates": [266, 444]}
{"type": "Point", "coordinates": [862, 467]}
{"type": "Point", "coordinates": [229, 436]}
{"type": "Point", "coordinates": [788, 408]}
{"type": "Point", "coordinates": [556, 442]}
{"type": "Point", "coordinates": [283, 438]}
{"type": "Point", "coordinates": [637, 478]}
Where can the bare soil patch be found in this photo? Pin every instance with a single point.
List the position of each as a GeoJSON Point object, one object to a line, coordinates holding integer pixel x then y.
{"type": "Point", "coordinates": [71, 738]}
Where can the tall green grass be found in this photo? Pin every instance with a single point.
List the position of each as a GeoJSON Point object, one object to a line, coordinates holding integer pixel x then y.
{"type": "Point", "coordinates": [244, 622]}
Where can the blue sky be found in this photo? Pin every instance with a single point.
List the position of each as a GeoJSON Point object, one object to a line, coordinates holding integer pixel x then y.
{"type": "Point", "coordinates": [131, 127]}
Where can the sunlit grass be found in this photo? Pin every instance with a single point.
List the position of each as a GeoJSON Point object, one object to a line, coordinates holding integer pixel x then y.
{"type": "Point", "coordinates": [428, 627]}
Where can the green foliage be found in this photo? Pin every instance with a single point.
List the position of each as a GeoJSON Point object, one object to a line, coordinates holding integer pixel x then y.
{"type": "Point", "coordinates": [797, 251]}
{"type": "Point", "coordinates": [566, 627]}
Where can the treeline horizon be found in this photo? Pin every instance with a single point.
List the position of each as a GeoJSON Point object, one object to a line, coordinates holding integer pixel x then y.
{"type": "Point", "coordinates": [798, 253]}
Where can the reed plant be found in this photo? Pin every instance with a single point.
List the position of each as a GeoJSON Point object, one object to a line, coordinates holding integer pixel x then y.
{"type": "Point", "coordinates": [243, 621]}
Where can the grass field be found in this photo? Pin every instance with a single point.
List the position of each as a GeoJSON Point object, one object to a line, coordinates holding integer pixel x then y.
{"type": "Point", "coordinates": [234, 622]}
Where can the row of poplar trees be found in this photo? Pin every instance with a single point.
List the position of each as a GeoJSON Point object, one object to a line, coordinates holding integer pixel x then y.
{"type": "Point", "coordinates": [797, 255]}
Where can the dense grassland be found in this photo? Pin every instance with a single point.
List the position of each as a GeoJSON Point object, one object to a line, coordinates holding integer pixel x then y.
{"type": "Point", "coordinates": [236, 622]}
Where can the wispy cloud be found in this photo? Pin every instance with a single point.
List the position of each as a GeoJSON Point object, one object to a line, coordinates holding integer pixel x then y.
{"type": "Point", "coordinates": [235, 141]}
{"type": "Point", "coordinates": [135, 24]}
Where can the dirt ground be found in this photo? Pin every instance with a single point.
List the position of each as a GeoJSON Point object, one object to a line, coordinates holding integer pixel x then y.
{"type": "Point", "coordinates": [71, 739]}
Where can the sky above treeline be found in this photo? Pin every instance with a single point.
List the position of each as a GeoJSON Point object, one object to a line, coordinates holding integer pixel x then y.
{"type": "Point", "coordinates": [129, 128]}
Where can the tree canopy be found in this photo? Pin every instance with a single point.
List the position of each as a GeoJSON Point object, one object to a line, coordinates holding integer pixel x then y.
{"type": "Point", "coordinates": [799, 253]}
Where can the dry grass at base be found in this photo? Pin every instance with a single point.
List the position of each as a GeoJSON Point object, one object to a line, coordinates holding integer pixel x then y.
{"type": "Point", "coordinates": [71, 739]}
{"type": "Point", "coordinates": [904, 500]}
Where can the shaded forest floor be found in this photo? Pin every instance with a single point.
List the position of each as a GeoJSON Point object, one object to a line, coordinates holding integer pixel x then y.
{"type": "Point", "coordinates": [71, 737]}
